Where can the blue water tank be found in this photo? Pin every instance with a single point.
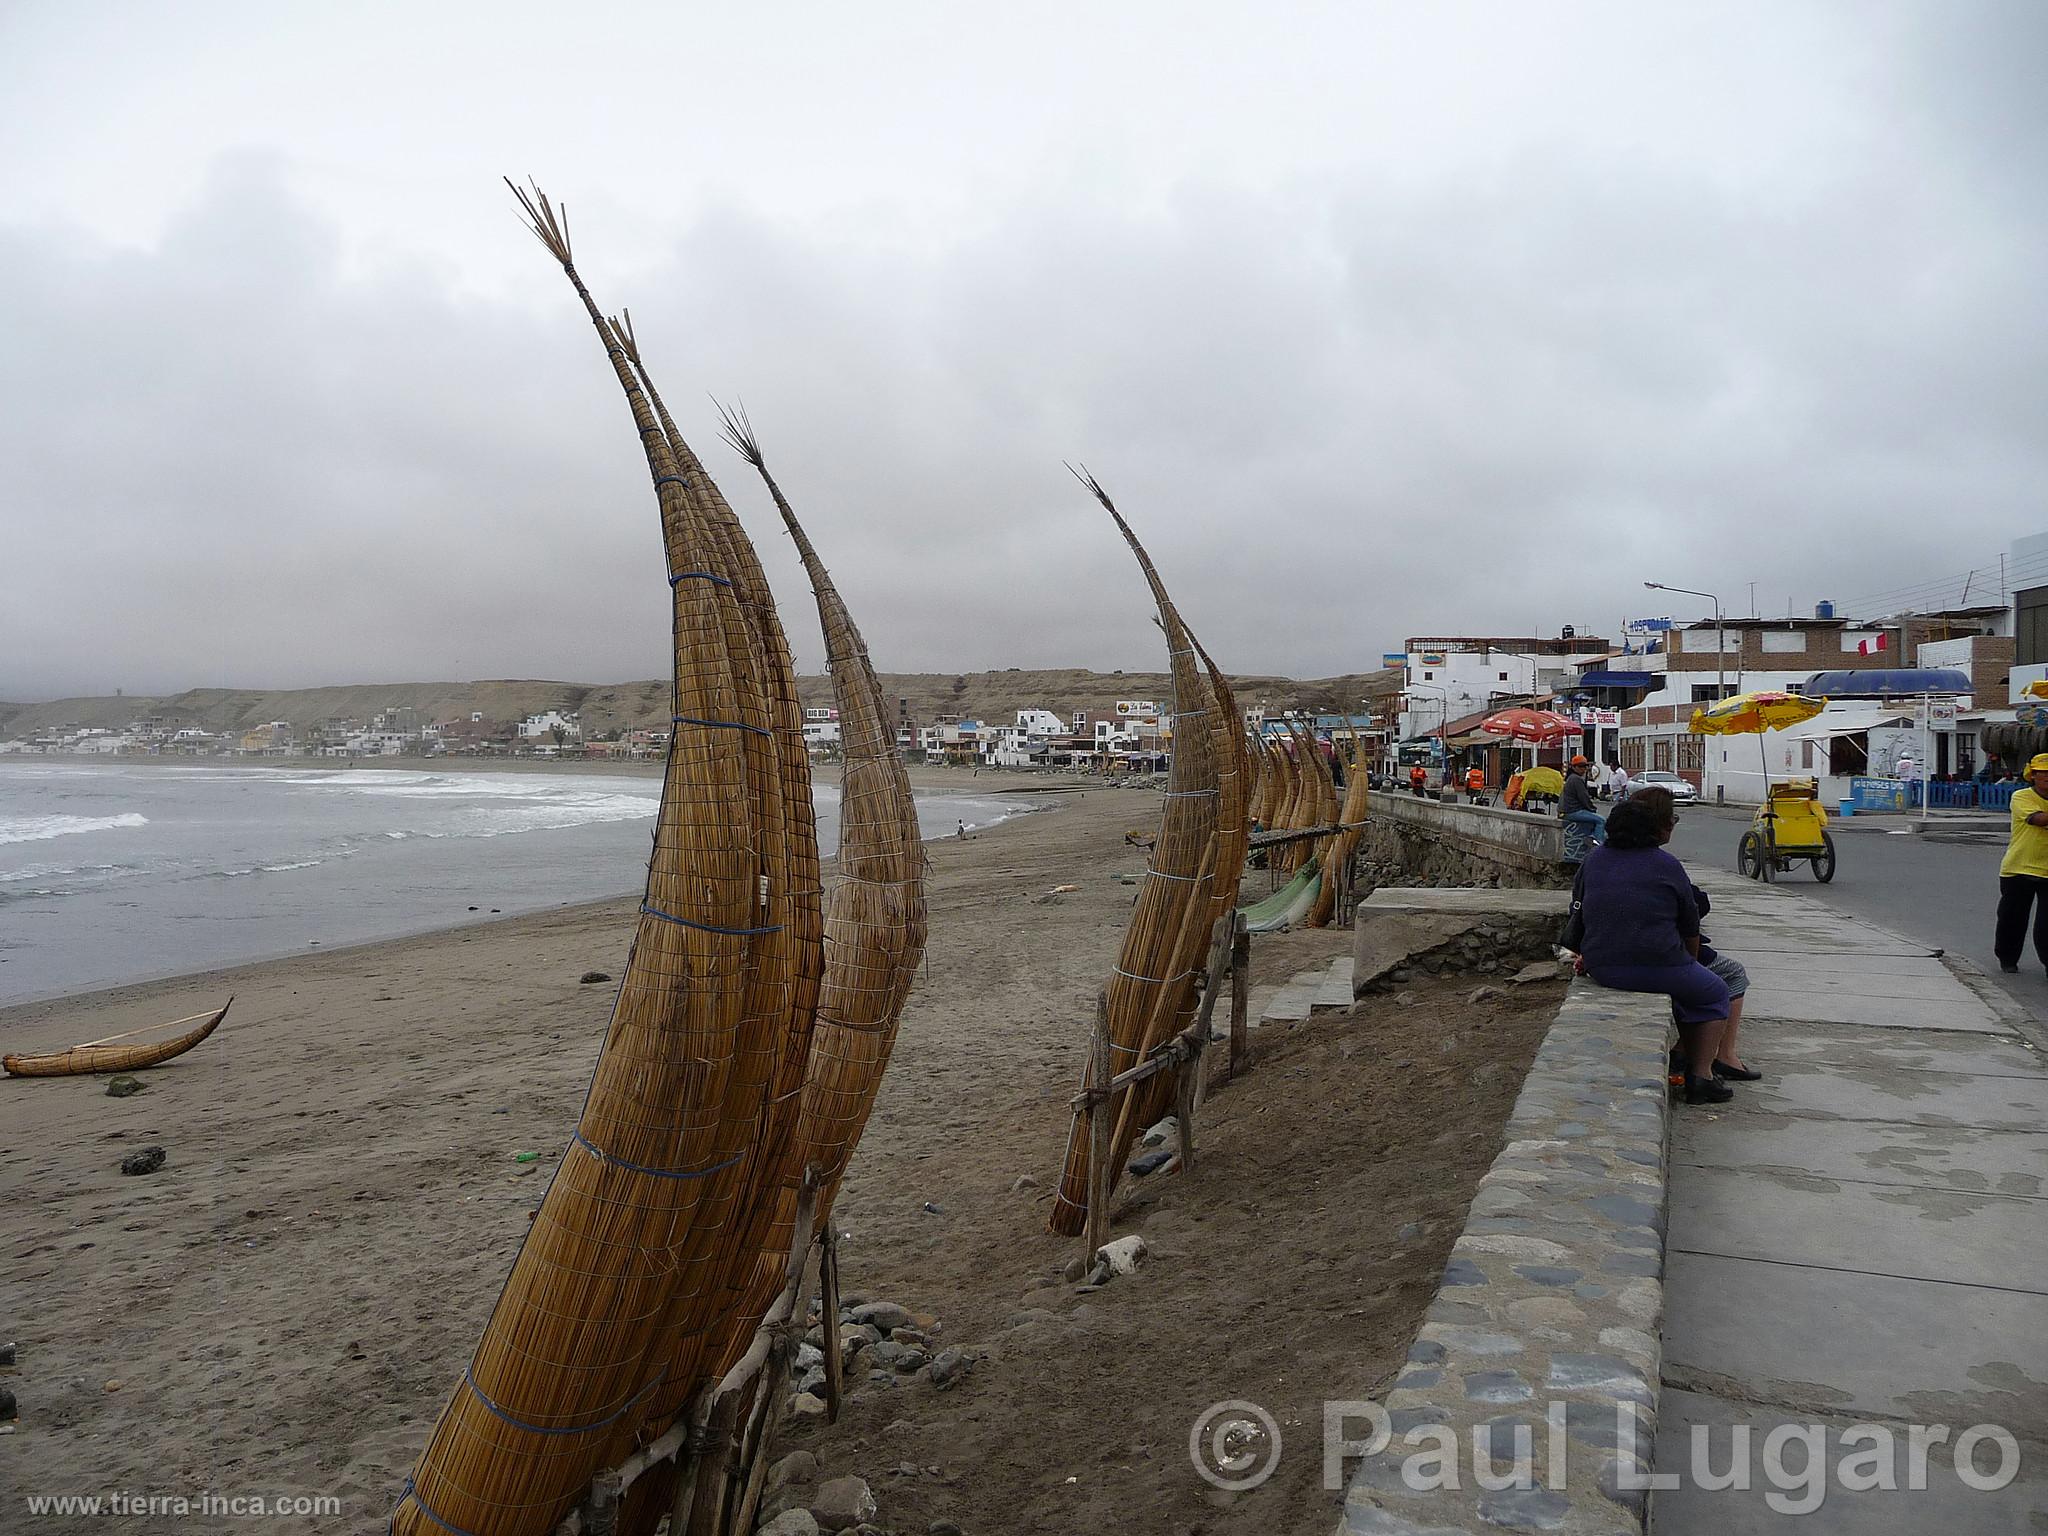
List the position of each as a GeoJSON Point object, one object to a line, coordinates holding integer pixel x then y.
{"type": "Point", "coordinates": [1823, 610]}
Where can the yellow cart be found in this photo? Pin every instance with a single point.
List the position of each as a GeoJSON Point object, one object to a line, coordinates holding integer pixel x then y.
{"type": "Point", "coordinates": [1791, 824]}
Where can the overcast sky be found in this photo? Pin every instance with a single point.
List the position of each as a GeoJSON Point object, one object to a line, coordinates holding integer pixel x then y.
{"type": "Point", "coordinates": [1377, 320]}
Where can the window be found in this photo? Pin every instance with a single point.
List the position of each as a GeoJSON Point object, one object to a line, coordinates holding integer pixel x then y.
{"type": "Point", "coordinates": [1784, 642]}
{"type": "Point", "coordinates": [1503, 677]}
{"type": "Point", "coordinates": [1706, 693]}
{"type": "Point", "coordinates": [1428, 677]}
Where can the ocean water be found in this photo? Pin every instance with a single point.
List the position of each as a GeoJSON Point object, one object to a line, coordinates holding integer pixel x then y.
{"type": "Point", "coordinates": [112, 873]}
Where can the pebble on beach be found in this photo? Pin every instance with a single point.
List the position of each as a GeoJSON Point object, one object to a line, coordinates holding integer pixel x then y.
{"type": "Point", "coordinates": [148, 1160]}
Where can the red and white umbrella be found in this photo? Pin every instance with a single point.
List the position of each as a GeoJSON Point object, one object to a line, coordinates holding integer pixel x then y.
{"type": "Point", "coordinates": [1538, 726]}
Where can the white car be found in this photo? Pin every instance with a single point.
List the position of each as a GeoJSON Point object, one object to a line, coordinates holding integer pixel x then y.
{"type": "Point", "coordinates": [1662, 778]}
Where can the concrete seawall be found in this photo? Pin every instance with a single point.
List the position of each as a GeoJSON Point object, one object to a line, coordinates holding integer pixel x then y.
{"type": "Point", "coordinates": [1453, 841]}
{"type": "Point", "coordinates": [1548, 1318]}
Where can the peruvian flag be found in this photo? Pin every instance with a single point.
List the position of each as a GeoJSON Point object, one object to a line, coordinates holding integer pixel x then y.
{"type": "Point", "coordinates": [1874, 647]}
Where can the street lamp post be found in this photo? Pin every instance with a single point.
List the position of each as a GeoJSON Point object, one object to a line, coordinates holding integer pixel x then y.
{"type": "Point", "coordinates": [1720, 634]}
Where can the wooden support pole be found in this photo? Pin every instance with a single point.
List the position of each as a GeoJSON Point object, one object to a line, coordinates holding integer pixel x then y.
{"type": "Point", "coordinates": [828, 1267]}
{"type": "Point", "coordinates": [713, 1480]}
{"type": "Point", "coordinates": [1240, 994]}
{"type": "Point", "coordinates": [1186, 1088]}
{"type": "Point", "coordinates": [1100, 1119]}
{"type": "Point", "coordinates": [754, 1446]}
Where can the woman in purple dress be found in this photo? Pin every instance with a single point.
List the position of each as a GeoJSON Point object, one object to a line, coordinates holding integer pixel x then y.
{"type": "Point", "coordinates": [1642, 933]}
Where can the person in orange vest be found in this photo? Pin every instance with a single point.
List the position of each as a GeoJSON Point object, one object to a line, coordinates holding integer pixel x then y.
{"type": "Point", "coordinates": [1475, 782]}
{"type": "Point", "coordinates": [1418, 778]}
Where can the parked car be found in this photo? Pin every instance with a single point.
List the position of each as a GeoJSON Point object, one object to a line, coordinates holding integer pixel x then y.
{"type": "Point", "coordinates": [1662, 778]}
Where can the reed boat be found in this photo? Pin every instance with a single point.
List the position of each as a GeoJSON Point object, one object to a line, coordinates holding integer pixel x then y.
{"type": "Point", "coordinates": [105, 1056]}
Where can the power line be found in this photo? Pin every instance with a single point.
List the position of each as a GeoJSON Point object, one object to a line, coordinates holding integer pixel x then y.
{"type": "Point", "coordinates": [2014, 577]}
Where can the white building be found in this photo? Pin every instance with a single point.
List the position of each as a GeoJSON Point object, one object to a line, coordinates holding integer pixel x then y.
{"type": "Point", "coordinates": [1041, 722]}
{"type": "Point", "coordinates": [1448, 677]}
{"type": "Point", "coordinates": [821, 730]}
{"type": "Point", "coordinates": [96, 740]}
{"type": "Point", "coordinates": [542, 727]}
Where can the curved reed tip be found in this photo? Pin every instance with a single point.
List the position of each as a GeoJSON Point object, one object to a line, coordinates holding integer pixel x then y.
{"type": "Point", "coordinates": [738, 430]}
{"type": "Point", "coordinates": [549, 225]}
{"type": "Point", "coordinates": [1093, 485]}
{"type": "Point", "coordinates": [621, 328]}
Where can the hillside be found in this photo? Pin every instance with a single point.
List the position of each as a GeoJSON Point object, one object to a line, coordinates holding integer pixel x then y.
{"type": "Point", "coordinates": [616, 706]}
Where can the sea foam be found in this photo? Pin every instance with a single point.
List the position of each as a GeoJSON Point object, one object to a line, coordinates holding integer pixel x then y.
{"type": "Point", "coordinates": [36, 829]}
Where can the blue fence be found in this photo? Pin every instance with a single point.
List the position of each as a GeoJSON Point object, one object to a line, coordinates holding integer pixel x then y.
{"type": "Point", "coordinates": [1896, 795]}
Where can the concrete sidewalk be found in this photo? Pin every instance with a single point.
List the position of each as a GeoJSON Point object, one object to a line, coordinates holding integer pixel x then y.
{"type": "Point", "coordinates": [1861, 1238]}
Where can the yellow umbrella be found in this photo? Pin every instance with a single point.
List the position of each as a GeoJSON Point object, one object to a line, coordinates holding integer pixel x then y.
{"type": "Point", "coordinates": [1751, 714]}
{"type": "Point", "coordinates": [2037, 689]}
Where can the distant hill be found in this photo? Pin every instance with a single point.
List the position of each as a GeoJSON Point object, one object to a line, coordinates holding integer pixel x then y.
{"type": "Point", "coordinates": [625, 706]}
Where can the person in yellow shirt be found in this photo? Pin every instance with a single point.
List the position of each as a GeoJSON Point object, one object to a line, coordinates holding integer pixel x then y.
{"type": "Point", "coordinates": [2023, 873]}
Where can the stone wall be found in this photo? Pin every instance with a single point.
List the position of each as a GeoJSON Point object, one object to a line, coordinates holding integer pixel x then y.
{"type": "Point", "coordinates": [1548, 1317]}
{"type": "Point", "coordinates": [1462, 843]}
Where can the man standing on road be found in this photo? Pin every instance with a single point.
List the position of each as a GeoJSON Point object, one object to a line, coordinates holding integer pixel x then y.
{"type": "Point", "coordinates": [2023, 874]}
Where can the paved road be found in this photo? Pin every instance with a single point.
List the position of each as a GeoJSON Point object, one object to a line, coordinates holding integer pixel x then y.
{"type": "Point", "coordinates": [1944, 894]}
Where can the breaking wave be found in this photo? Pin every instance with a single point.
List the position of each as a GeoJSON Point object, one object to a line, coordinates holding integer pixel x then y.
{"type": "Point", "coordinates": [35, 829]}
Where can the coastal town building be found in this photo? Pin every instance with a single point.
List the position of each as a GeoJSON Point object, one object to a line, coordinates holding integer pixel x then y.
{"type": "Point", "coordinates": [552, 726]}
{"type": "Point", "coordinates": [1444, 677]}
{"type": "Point", "coordinates": [821, 730]}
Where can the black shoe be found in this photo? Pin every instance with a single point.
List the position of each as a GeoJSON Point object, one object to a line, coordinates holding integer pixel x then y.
{"type": "Point", "coordinates": [1705, 1090]}
{"type": "Point", "coordinates": [2010, 970]}
{"type": "Point", "coordinates": [1736, 1074]}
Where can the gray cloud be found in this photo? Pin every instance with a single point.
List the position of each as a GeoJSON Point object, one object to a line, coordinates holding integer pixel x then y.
{"type": "Point", "coordinates": [1736, 307]}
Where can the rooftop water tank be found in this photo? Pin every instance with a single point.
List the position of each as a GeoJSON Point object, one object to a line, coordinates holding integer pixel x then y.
{"type": "Point", "coordinates": [1823, 610]}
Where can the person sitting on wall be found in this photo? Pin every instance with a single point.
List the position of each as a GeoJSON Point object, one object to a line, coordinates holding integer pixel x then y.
{"type": "Point", "coordinates": [1635, 926]}
{"type": "Point", "coordinates": [1576, 803]}
{"type": "Point", "coordinates": [1728, 1061]}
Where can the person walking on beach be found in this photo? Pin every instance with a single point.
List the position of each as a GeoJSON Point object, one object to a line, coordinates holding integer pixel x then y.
{"type": "Point", "coordinates": [2023, 873]}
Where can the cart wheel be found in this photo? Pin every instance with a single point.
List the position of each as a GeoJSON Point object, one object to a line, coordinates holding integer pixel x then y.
{"type": "Point", "coordinates": [1824, 861]}
{"type": "Point", "coordinates": [1749, 855]}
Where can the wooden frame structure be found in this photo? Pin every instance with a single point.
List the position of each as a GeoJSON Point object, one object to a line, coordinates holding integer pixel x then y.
{"type": "Point", "coordinates": [1097, 1103]}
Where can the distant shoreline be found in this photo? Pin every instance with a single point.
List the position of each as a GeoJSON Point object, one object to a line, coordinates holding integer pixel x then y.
{"type": "Point", "coordinates": [988, 781]}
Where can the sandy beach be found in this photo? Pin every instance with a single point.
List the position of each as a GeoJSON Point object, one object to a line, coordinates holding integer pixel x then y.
{"type": "Point", "coordinates": [283, 1307]}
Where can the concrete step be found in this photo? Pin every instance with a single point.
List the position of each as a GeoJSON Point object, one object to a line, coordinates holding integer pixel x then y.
{"type": "Point", "coordinates": [1334, 995]}
{"type": "Point", "coordinates": [1294, 1001]}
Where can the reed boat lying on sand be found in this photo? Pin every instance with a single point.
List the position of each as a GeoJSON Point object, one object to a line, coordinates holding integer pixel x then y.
{"type": "Point", "coordinates": [103, 1056]}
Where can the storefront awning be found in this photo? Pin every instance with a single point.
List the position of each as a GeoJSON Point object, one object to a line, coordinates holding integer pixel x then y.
{"type": "Point", "coordinates": [1846, 723]}
{"type": "Point", "coordinates": [1619, 679]}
